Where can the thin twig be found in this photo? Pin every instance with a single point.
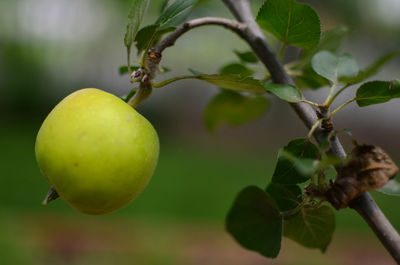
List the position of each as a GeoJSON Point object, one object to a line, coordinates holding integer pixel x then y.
{"type": "Point", "coordinates": [170, 39]}
{"type": "Point", "coordinates": [152, 59]}
{"type": "Point", "coordinates": [282, 51]}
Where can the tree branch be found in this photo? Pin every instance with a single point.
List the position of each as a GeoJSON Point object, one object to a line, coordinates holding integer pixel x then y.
{"type": "Point", "coordinates": [364, 204]}
{"type": "Point", "coordinates": [170, 39]}
{"type": "Point", "coordinates": [155, 53]}
{"type": "Point", "coordinates": [372, 214]}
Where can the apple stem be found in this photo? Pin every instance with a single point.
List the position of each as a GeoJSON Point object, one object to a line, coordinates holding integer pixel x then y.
{"type": "Point", "coordinates": [141, 94]}
{"type": "Point", "coordinates": [51, 196]}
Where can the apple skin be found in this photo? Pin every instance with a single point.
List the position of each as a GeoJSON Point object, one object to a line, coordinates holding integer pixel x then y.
{"type": "Point", "coordinates": [96, 151]}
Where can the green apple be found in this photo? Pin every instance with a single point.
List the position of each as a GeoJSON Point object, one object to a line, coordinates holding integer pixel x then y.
{"type": "Point", "coordinates": [96, 151]}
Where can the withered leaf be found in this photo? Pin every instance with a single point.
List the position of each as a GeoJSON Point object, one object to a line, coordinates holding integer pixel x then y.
{"type": "Point", "coordinates": [370, 168]}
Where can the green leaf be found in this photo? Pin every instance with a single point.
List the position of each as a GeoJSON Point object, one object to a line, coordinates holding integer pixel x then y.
{"type": "Point", "coordinates": [324, 144]}
{"type": "Point", "coordinates": [234, 109]}
{"type": "Point", "coordinates": [392, 187]}
{"type": "Point", "coordinates": [285, 92]}
{"type": "Point", "coordinates": [312, 228]}
{"type": "Point", "coordinates": [330, 41]}
{"type": "Point", "coordinates": [175, 14]}
{"type": "Point", "coordinates": [376, 92]}
{"type": "Point", "coordinates": [310, 79]}
{"type": "Point", "coordinates": [330, 160]}
{"type": "Point", "coordinates": [287, 197]}
{"type": "Point", "coordinates": [145, 37]}
{"type": "Point", "coordinates": [234, 82]}
{"type": "Point", "coordinates": [305, 166]}
{"type": "Point", "coordinates": [171, 17]}
{"type": "Point", "coordinates": [124, 69]}
{"type": "Point", "coordinates": [235, 69]}
{"type": "Point", "coordinates": [164, 5]}
{"type": "Point", "coordinates": [291, 22]}
{"type": "Point", "coordinates": [255, 222]}
{"type": "Point", "coordinates": [231, 82]}
{"type": "Point", "coordinates": [246, 57]}
{"type": "Point", "coordinates": [373, 68]}
{"type": "Point", "coordinates": [294, 160]}
{"type": "Point", "coordinates": [135, 17]}
{"type": "Point", "coordinates": [333, 67]}
{"type": "Point", "coordinates": [149, 35]}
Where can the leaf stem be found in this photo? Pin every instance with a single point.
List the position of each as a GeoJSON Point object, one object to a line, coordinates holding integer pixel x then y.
{"type": "Point", "coordinates": [336, 94]}
{"type": "Point", "coordinates": [168, 81]}
{"type": "Point", "coordinates": [321, 182]}
{"type": "Point", "coordinates": [330, 95]}
{"type": "Point", "coordinates": [297, 209]}
{"type": "Point", "coordinates": [129, 61]}
{"type": "Point", "coordinates": [293, 64]}
{"type": "Point", "coordinates": [313, 128]}
{"type": "Point", "coordinates": [319, 204]}
{"type": "Point", "coordinates": [341, 107]}
{"type": "Point", "coordinates": [310, 102]}
{"type": "Point", "coordinates": [312, 180]}
{"type": "Point", "coordinates": [295, 72]}
{"type": "Point", "coordinates": [282, 51]}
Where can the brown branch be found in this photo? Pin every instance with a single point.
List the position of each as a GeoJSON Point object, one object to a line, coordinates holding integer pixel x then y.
{"type": "Point", "coordinates": [170, 39]}
{"type": "Point", "coordinates": [372, 214]}
{"type": "Point", "coordinates": [146, 74]}
{"type": "Point", "coordinates": [364, 204]}
{"type": "Point", "coordinates": [155, 53]}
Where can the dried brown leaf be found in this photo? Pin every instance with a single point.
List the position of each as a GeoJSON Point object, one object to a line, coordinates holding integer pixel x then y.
{"type": "Point", "coordinates": [370, 168]}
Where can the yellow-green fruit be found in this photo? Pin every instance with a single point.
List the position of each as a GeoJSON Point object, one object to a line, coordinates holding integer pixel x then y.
{"type": "Point", "coordinates": [96, 151]}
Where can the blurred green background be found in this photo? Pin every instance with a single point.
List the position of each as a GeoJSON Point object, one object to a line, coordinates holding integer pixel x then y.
{"type": "Point", "coordinates": [50, 48]}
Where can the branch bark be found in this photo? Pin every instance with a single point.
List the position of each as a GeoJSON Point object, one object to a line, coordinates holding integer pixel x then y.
{"type": "Point", "coordinates": [364, 204]}
{"type": "Point", "coordinates": [170, 39]}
